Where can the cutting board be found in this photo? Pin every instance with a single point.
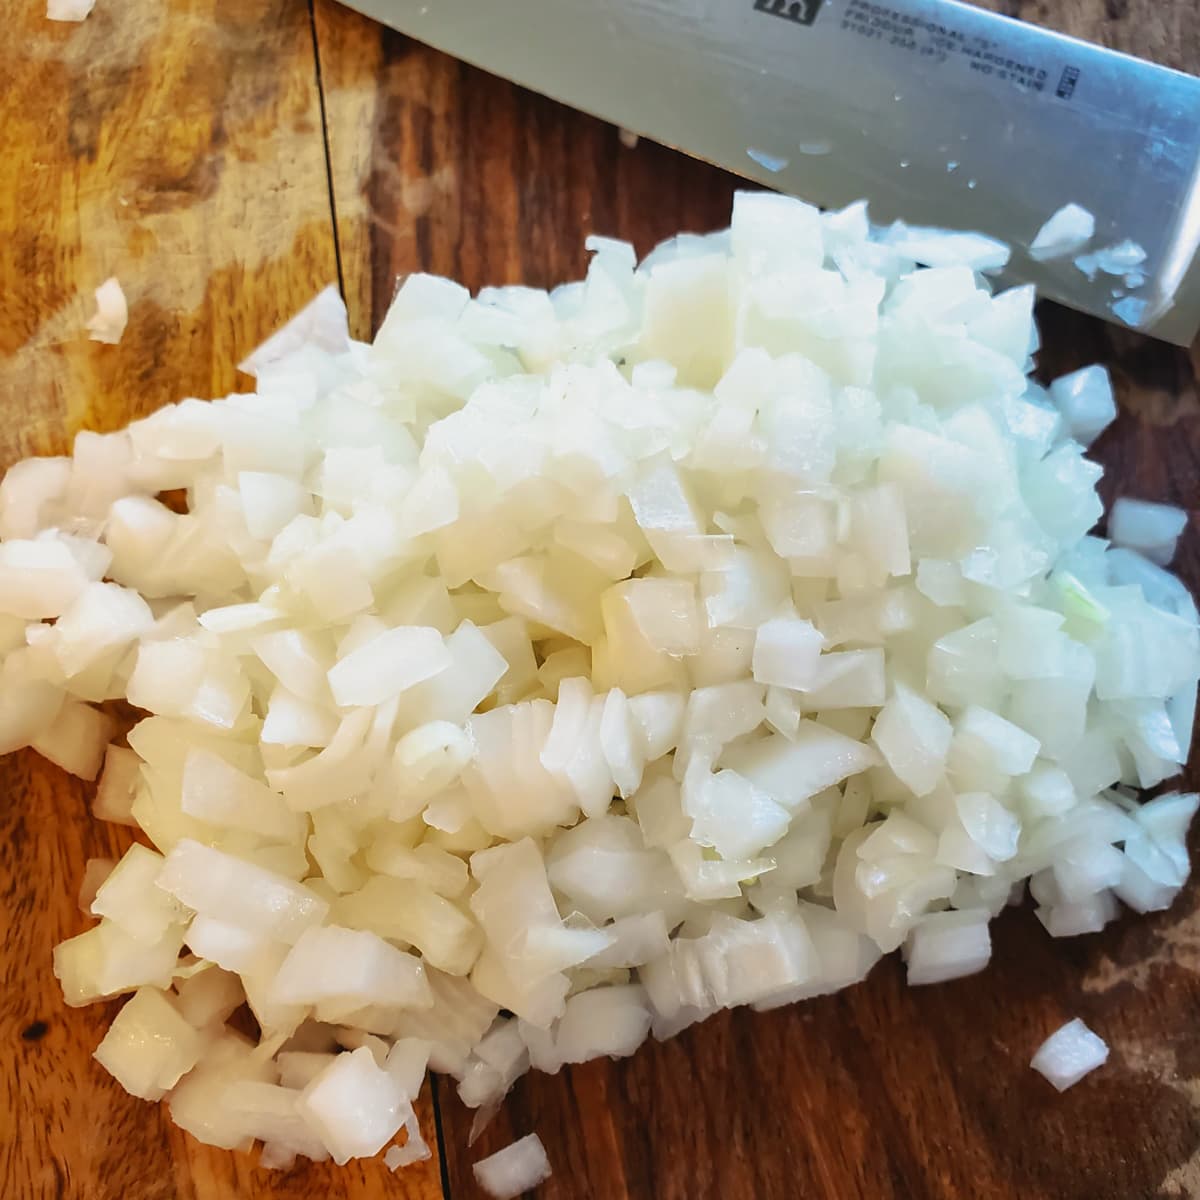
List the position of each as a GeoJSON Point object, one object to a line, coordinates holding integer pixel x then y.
{"type": "Point", "coordinates": [228, 160]}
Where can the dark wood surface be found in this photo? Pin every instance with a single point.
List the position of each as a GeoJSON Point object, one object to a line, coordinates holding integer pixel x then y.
{"type": "Point", "coordinates": [226, 160]}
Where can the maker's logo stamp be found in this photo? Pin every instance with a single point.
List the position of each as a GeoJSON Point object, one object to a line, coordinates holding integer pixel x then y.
{"type": "Point", "coordinates": [800, 12]}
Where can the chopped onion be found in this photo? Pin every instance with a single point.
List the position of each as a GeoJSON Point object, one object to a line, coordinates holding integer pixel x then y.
{"type": "Point", "coordinates": [944, 248]}
{"type": "Point", "coordinates": [563, 668]}
{"type": "Point", "coordinates": [112, 312]}
{"type": "Point", "coordinates": [1120, 258]}
{"type": "Point", "coordinates": [321, 323]}
{"type": "Point", "coordinates": [69, 10]}
{"type": "Point", "coordinates": [149, 1047]}
{"type": "Point", "coordinates": [1085, 399]}
{"type": "Point", "coordinates": [515, 1169]}
{"type": "Point", "coordinates": [354, 1106]}
{"type": "Point", "coordinates": [946, 945]}
{"type": "Point", "coordinates": [1151, 529]}
{"type": "Point", "coordinates": [1068, 1054]}
{"type": "Point", "coordinates": [1068, 230]}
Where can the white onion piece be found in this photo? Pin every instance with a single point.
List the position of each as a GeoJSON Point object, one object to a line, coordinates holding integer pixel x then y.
{"type": "Point", "coordinates": [112, 312]}
{"type": "Point", "coordinates": [1120, 258]}
{"type": "Point", "coordinates": [209, 998]}
{"type": "Point", "coordinates": [149, 1047]}
{"type": "Point", "coordinates": [1085, 399]}
{"type": "Point", "coordinates": [76, 739]}
{"type": "Point", "coordinates": [786, 653]}
{"type": "Point", "coordinates": [331, 968]}
{"type": "Point", "coordinates": [354, 1106]}
{"type": "Point", "coordinates": [1069, 1054]}
{"type": "Point", "coordinates": [387, 665]}
{"type": "Point", "coordinates": [39, 578]}
{"type": "Point", "coordinates": [241, 893]}
{"type": "Point", "coordinates": [104, 619]}
{"type": "Point", "coordinates": [415, 1148]}
{"type": "Point", "coordinates": [130, 897]}
{"type": "Point", "coordinates": [322, 323]}
{"type": "Point", "coordinates": [1152, 529]}
{"type": "Point", "coordinates": [218, 793]}
{"type": "Point", "coordinates": [513, 1170]}
{"type": "Point", "coordinates": [914, 736]}
{"type": "Point", "coordinates": [948, 945]}
{"type": "Point", "coordinates": [1068, 230]}
{"type": "Point", "coordinates": [69, 10]}
{"type": "Point", "coordinates": [106, 961]}
{"type": "Point", "coordinates": [945, 247]}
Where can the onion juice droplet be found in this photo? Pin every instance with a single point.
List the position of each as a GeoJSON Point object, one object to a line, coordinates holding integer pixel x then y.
{"type": "Point", "coordinates": [772, 162]}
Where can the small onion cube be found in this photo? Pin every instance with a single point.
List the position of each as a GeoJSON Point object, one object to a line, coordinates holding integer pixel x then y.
{"type": "Point", "coordinates": [948, 945]}
{"type": "Point", "coordinates": [354, 1106]}
{"type": "Point", "coordinates": [118, 783]}
{"type": "Point", "coordinates": [112, 312]}
{"type": "Point", "coordinates": [1152, 529]}
{"type": "Point", "coordinates": [1067, 230]}
{"type": "Point", "coordinates": [328, 965]}
{"type": "Point", "coordinates": [1085, 399]}
{"type": "Point", "coordinates": [241, 893]}
{"type": "Point", "coordinates": [130, 897]}
{"type": "Point", "coordinates": [76, 740]}
{"type": "Point", "coordinates": [786, 653]}
{"type": "Point", "coordinates": [387, 665]}
{"type": "Point", "coordinates": [149, 1047]}
{"type": "Point", "coordinates": [1068, 1054]}
{"type": "Point", "coordinates": [914, 736]}
{"type": "Point", "coordinates": [513, 1170]}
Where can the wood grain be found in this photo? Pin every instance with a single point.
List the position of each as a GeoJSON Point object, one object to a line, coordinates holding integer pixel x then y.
{"type": "Point", "coordinates": [179, 146]}
{"type": "Point", "coordinates": [883, 1092]}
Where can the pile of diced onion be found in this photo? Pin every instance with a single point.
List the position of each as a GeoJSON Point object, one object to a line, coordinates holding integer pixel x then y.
{"type": "Point", "coordinates": [562, 668]}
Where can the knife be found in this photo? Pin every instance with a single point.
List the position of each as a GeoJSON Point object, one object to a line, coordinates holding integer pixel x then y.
{"type": "Point", "coordinates": [938, 113]}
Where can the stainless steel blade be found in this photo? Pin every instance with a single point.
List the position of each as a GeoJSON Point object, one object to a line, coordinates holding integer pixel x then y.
{"type": "Point", "coordinates": [936, 112]}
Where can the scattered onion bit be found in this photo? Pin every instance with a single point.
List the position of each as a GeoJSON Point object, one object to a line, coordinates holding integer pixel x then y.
{"type": "Point", "coordinates": [69, 10]}
{"type": "Point", "coordinates": [112, 313]}
{"type": "Point", "coordinates": [1068, 230]}
{"type": "Point", "coordinates": [1070, 1053]}
{"type": "Point", "coordinates": [517, 1168]}
{"type": "Point", "coordinates": [1151, 529]}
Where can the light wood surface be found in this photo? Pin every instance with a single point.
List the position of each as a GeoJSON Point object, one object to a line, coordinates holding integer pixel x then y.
{"type": "Point", "coordinates": [178, 145]}
{"type": "Point", "coordinates": [228, 160]}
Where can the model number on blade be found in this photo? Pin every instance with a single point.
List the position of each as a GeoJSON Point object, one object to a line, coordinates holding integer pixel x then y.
{"type": "Point", "coordinates": [801, 12]}
{"type": "Point", "coordinates": [938, 43]}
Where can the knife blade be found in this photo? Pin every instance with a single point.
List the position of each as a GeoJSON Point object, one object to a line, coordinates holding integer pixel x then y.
{"type": "Point", "coordinates": [938, 113]}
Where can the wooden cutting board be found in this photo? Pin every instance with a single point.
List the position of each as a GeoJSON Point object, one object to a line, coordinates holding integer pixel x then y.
{"type": "Point", "coordinates": [228, 160]}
